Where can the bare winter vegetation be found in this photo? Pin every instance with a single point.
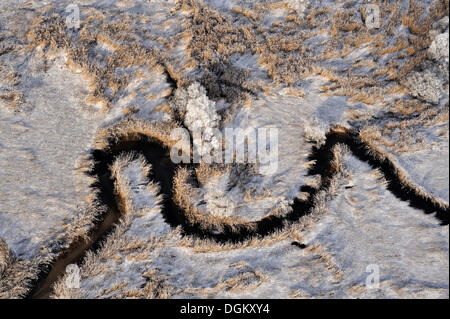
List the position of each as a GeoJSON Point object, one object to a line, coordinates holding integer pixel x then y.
{"type": "Point", "coordinates": [86, 177]}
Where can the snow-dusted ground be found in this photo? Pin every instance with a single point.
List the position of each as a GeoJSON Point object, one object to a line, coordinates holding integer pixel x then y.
{"type": "Point", "coordinates": [41, 190]}
{"type": "Point", "coordinates": [363, 226]}
{"type": "Point", "coordinates": [227, 64]}
{"type": "Point", "coordinates": [367, 225]}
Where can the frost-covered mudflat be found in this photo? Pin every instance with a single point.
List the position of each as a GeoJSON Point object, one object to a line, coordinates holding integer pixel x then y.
{"type": "Point", "coordinates": [91, 90]}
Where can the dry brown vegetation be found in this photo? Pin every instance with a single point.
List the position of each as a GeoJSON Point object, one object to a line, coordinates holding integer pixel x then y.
{"type": "Point", "coordinates": [129, 129]}
{"type": "Point", "coordinates": [10, 94]}
{"type": "Point", "coordinates": [50, 34]}
{"type": "Point", "coordinates": [15, 275]}
{"type": "Point", "coordinates": [212, 38]}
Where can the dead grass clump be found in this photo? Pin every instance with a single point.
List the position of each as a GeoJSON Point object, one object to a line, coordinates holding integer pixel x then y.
{"type": "Point", "coordinates": [318, 17]}
{"type": "Point", "coordinates": [421, 24]}
{"type": "Point", "coordinates": [13, 99]}
{"type": "Point", "coordinates": [438, 10]}
{"type": "Point", "coordinates": [289, 68]}
{"type": "Point", "coordinates": [6, 46]}
{"type": "Point", "coordinates": [401, 43]}
{"type": "Point", "coordinates": [49, 31]}
{"type": "Point", "coordinates": [246, 281]}
{"type": "Point", "coordinates": [251, 194]}
{"type": "Point", "coordinates": [400, 53]}
{"type": "Point", "coordinates": [415, 61]}
{"type": "Point", "coordinates": [359, 88]}
{"type": "Point", "coordinates": [420, 39]}
{"type": "Point", "coordinates": [125, 52]}
{"type": "Point", "coordinates": [132, 129]}
{"type": "Point", "coordinates": [250, 14]}
{"type": "Point", "coordinates": [215, 38]}
{"type": "Point", "coordinates": [408, 107]}
{"type": "Point", "coordinates": [394, 17]}
{"type": "Point", "coordinates": [15, 275]}
{"type": "Point", "coordinates": [226, 81]}
{"type": "Point", "coordinates": [345, 20]}
{"type": "Point", "coordinates": [8, 75]}
{"type": "Point", "coordinates": [205, 172]}
{"type": "Point", "coordinates": [156, 287]}
{"type": "Point", "coordinates": [9, 94]}
{"type": "Point", "coordinates": [6, 257]}
{"type": "Point", "coordinates": [322, 256]}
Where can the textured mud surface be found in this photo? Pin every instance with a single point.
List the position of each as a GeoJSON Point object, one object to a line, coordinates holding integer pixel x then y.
{"type": "Point", "coordinates": [85, 175]}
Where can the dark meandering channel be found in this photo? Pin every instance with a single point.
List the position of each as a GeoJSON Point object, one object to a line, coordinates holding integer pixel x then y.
{"type": "Point", "coordinates": [163, 172]}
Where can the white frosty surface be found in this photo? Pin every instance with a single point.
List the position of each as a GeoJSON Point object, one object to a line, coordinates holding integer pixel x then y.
{"type": "Point", "coordinates": [367, 225]}
{"type": "Point", "coordinates": [40, 188]}
{"type": "Point", "coordinates": [363, 225]}
{"type": "Point", "coordinates": [41, 191]}
{"type": "Point", "coordinates": [429, 169]}
{"type": "Point", "coordinates": [300, 122]}
{"type": "Point", "coordinates": [144, 199]}
{"type": "Point", "coordinates": [126, 254]}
